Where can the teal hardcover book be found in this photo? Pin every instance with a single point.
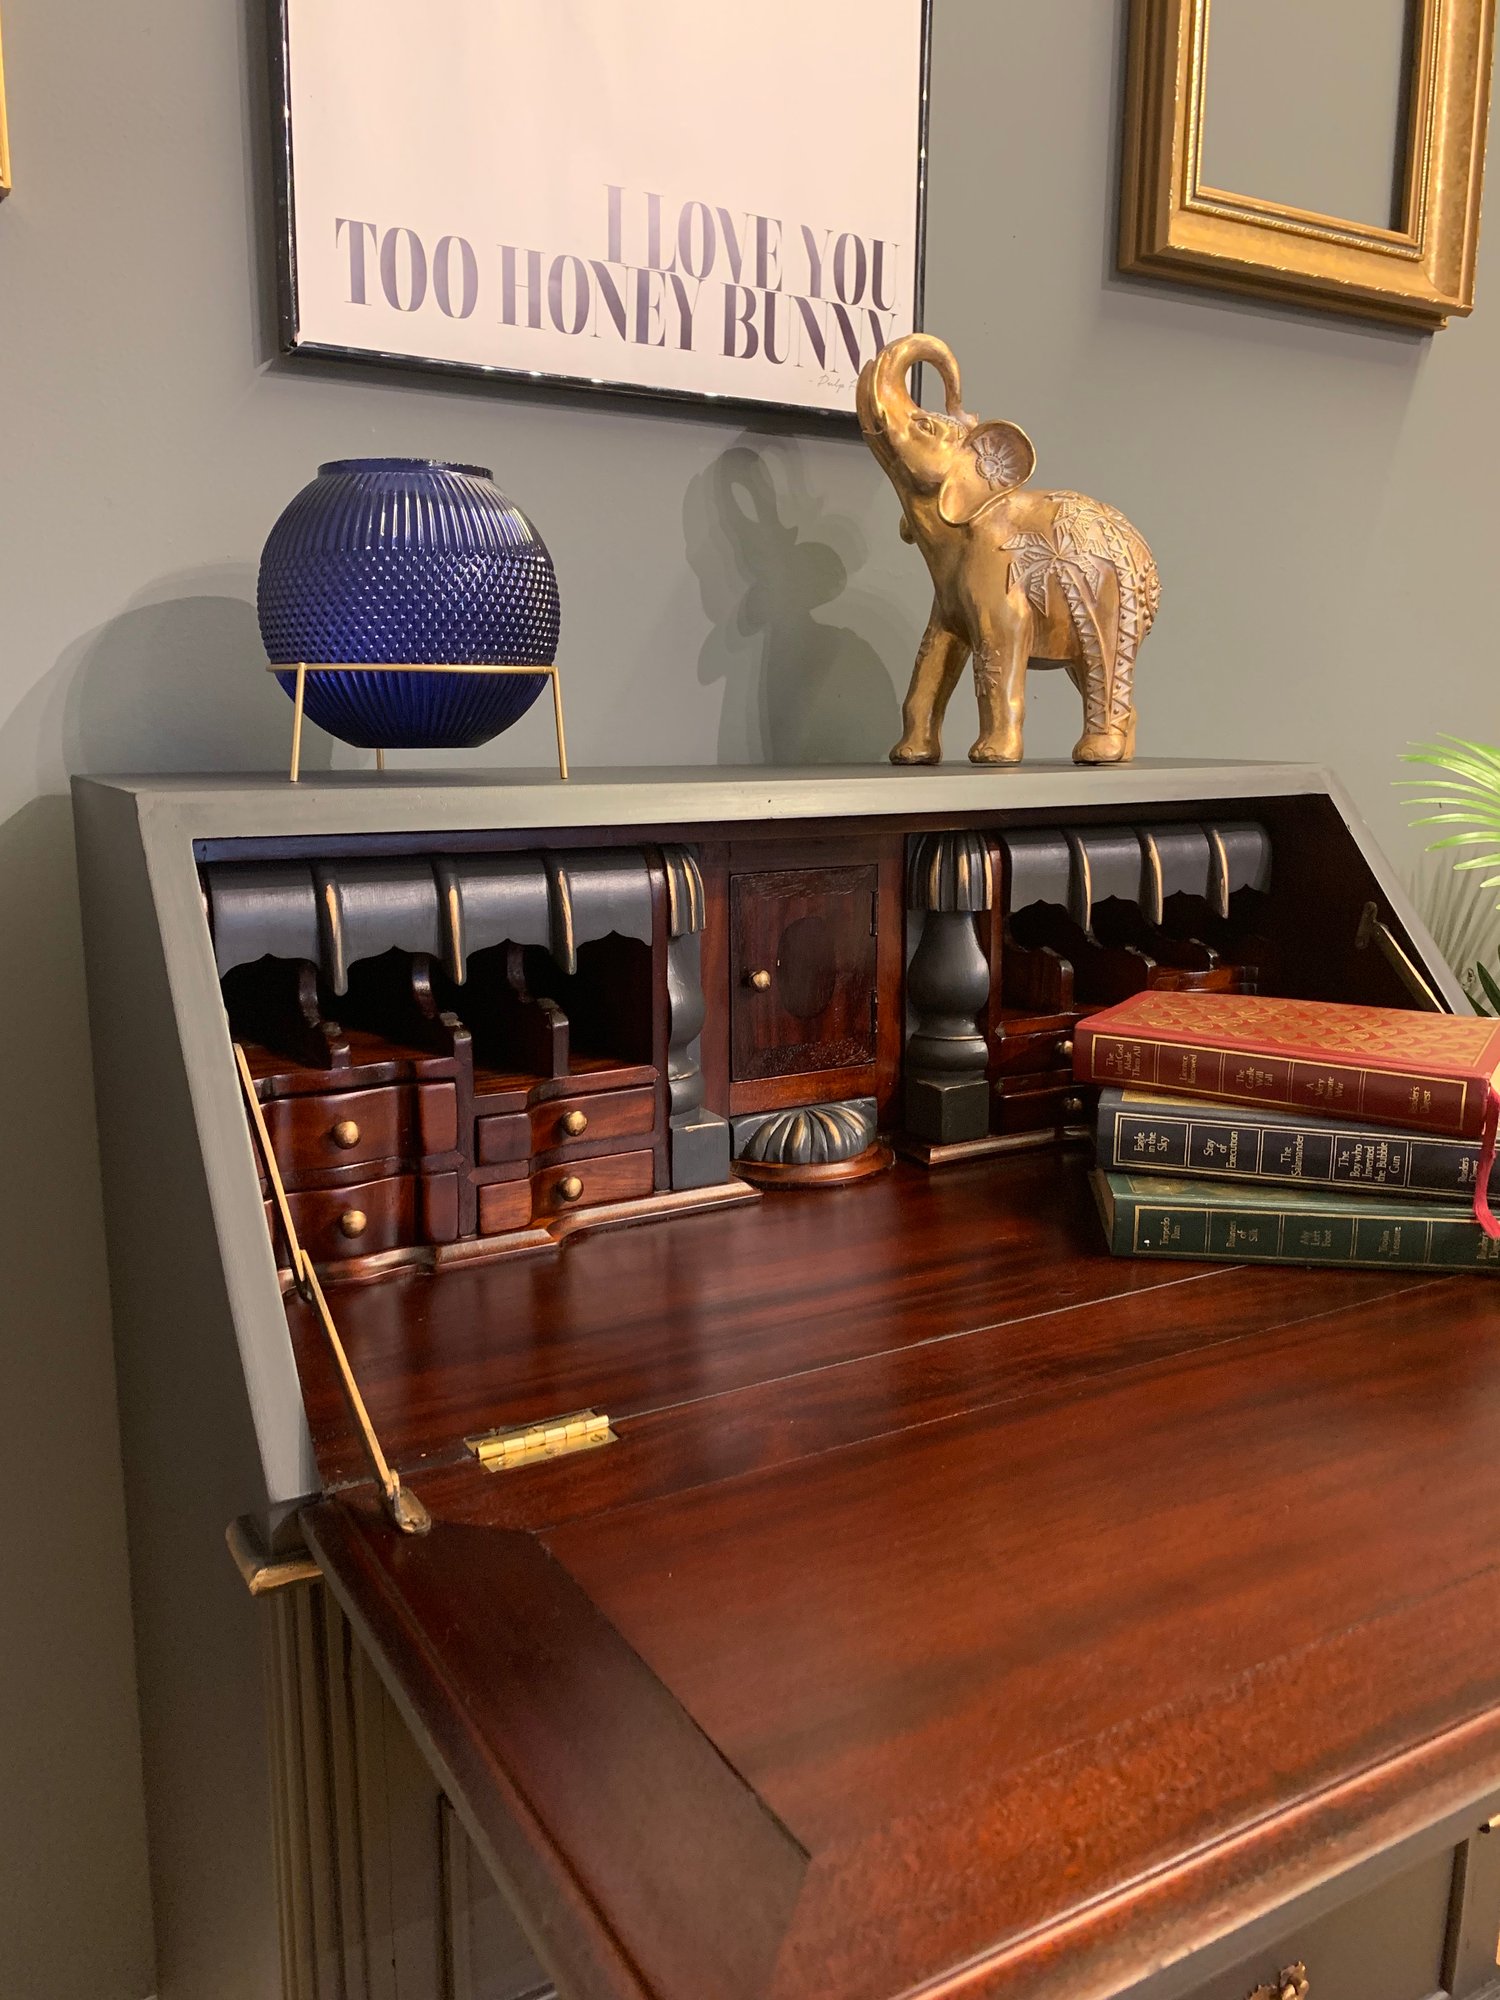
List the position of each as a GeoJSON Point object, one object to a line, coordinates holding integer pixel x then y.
{"type": "Point", "coordinates": [1240, 1222]}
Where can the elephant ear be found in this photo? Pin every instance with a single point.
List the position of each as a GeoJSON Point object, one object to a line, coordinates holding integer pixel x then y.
{"type": "Point", "coordinates": [995, 459]}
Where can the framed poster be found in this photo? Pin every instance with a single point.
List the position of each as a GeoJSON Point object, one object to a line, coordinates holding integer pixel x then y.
{"type": "Point", "coordinates": [671, 197]}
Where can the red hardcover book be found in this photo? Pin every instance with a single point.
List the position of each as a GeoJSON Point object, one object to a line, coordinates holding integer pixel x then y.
{"type": "Point", "coordinates": [1430, 1072]}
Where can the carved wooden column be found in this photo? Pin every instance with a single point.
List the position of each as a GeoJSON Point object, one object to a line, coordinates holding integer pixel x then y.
{"type": "Point", "coordinates": [947, 1095]}
{"type": "Point", "coordinates": [699, 1138]}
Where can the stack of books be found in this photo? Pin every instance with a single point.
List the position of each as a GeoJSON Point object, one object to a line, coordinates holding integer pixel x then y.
{"type": "Point", "coordinates": [1234, 1127]}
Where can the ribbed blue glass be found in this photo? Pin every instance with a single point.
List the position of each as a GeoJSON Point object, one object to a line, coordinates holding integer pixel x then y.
{"type": "Point", "coordinates": [410, 560]}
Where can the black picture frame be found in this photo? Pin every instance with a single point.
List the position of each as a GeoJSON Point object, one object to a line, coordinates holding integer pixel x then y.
{"type": "Point", "coordinates": [287, 319]}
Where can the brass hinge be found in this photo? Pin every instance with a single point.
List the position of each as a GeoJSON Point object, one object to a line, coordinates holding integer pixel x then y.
{"type": "Point", "coordinates": [501, 1451]}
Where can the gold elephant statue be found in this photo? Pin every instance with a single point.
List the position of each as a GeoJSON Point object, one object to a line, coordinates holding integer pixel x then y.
{"type": "Point", "coordinates": [1020, 578]}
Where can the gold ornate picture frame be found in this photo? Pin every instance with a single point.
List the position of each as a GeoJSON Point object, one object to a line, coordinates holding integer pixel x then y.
{"type": "Point", "coordinates": [4, 140]}
{"type": "Point", "coordinates": [1417, 273]}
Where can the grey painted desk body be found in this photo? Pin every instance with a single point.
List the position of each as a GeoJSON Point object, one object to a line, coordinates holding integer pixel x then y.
{"type": "Point", "coordinates": [199, 1306]}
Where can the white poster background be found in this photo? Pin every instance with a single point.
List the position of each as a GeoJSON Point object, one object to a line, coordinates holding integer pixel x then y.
{"type": "Point", "coordinates": [452, 168]}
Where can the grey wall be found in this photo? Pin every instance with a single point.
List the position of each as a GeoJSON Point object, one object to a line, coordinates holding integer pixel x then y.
{"type": "Point", "coordinates": [1320, 497]}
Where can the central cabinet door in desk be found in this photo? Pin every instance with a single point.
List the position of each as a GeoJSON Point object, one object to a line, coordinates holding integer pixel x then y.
{"type": "Point", "coordinates": [803, 977]}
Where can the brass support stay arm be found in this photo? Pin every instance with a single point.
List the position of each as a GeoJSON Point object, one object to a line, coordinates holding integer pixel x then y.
{"type": "Point", "coordinates": [404, 1508]}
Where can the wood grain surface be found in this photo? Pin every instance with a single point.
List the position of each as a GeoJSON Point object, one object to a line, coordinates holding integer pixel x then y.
{"type": "Point", "coordinates": [961, 1611]}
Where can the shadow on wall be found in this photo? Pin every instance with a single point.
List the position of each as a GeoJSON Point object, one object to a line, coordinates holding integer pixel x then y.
{"type": "Point", "coordinates": [180, 683]}
{"type": "Point", "coordinates": [797, 689]}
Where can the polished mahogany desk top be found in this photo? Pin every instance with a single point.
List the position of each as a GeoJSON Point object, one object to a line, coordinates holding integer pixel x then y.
{"type": "Point", "coordinates": [962, 1611]}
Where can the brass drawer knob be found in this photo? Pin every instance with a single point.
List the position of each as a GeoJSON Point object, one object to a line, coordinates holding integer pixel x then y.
{"type": "Point", "coordinates": [345, 1133]}
{"type": "Point", "coordinates": [575, 1123]}
{"type": "Point", "coordinates": [571, 1188]}
{"type": "Point", "coordinates": [1291, 1983]}
{"type": "Point", "coordinates": [761, 981]}
{"type": "Point", "coordinates": [1065, 1049]}
{"type": "Point", "coordinates": [354, 1222]}
{"type": "Point", "coordinates": [1072, 1105]}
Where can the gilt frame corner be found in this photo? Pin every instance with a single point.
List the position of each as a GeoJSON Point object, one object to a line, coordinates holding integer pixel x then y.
{"type": "Point", "coordinates": [4, 137]}
{"type": "Point", "coordinates": [1416, 274]}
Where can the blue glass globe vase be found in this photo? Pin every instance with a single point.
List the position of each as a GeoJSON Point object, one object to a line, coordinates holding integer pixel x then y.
{"type": "Point", "coordinates": [413, 562]}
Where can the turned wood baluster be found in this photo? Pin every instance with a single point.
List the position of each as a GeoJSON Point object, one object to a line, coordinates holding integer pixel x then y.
{"type": "Point", "coordinates": [699, 1138]}
{"type": "Point", "coordinates": [950, 880]}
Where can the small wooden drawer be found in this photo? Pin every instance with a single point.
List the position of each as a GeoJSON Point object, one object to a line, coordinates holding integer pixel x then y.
{"type": "Point", "coordinates": [1014, 1055]}
{"type": "Point", "coordinates": [585, 1121]}
{"type": "Point", "coordinates": [590, 1183]}
{"type": "Point", "coordinates": [503, 1206]}
{"type": "Point", "coordinates": [1032, 1110]}
{"type": "Point", "coordinates": [342, 1128]}
{"type": "Point", "coordinates": [355, 1221]}
{"type": "Point", "coordinates": [437, 1118]}
{"type": "Point", "coordinates": [337, 1128]}
{"type": "Point", "coordinates": [437, 1207]}
{"type": "Point", "coordinates": [500, 1139]}
{"type": "Point", "coordinates": [1058, 1083]}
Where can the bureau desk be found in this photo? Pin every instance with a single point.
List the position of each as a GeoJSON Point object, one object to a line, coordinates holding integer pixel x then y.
{"type": "Point", "coordinates": [812, 1568]}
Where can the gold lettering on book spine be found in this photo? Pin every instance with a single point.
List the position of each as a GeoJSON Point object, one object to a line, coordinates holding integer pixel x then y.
{"type": "Point", "coordinates": [1116, 1058]}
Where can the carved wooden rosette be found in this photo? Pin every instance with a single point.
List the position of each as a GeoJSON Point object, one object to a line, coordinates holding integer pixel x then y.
{"type": "Point", "coordinates": [699, 1138]}
{"type": "Point", "coordinates": [949, 880]}
{"type": "Point", "coordinates": [812, 1145]}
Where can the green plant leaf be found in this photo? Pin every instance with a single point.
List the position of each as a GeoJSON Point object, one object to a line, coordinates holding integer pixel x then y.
{"type": "Point", "coordinates": [1459, 840]}
{"type": "Point", "coordinates": [1491, 990]}
{"type": "Point", "coordinates": [1463, 920]}
{"type": "Point", "coordinates": [1482, 793]}
{"type": "Point", "coordinates": [1468, 798]}
{"type": "Point", "coordinates": [1461, 798]}
{"type": "Point", "coordinates": [1469, 803]}
{"type": "Point", "coordinates": [1454, 753]}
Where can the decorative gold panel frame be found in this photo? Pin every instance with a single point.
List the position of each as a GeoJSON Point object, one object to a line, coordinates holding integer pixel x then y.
{"type": "Point", "coordinates": [4, 140]}
{"type": "Point", "coordinates": [1173, 226]}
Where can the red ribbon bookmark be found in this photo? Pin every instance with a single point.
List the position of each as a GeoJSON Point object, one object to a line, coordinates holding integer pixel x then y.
{"type": "Point", "coordinates": [1482, 1213]}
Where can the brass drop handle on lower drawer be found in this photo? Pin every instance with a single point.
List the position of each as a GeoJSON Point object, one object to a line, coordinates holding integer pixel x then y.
{"type": "Point", "coordinates": [1291, 1983]}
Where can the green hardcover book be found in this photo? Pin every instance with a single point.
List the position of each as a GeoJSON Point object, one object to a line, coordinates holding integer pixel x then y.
{"type": "Point", "coordinates": [1148, 1215]}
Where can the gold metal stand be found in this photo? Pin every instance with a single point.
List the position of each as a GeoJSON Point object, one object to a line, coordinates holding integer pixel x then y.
{"type": "Point", "coordinates": [305, 667]}
{"type": "Point", "coordinates": [404, 1508]}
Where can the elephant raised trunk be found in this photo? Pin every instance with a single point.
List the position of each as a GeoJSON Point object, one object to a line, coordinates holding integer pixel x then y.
{"type": "Point", "coordinates": [884, 398]}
